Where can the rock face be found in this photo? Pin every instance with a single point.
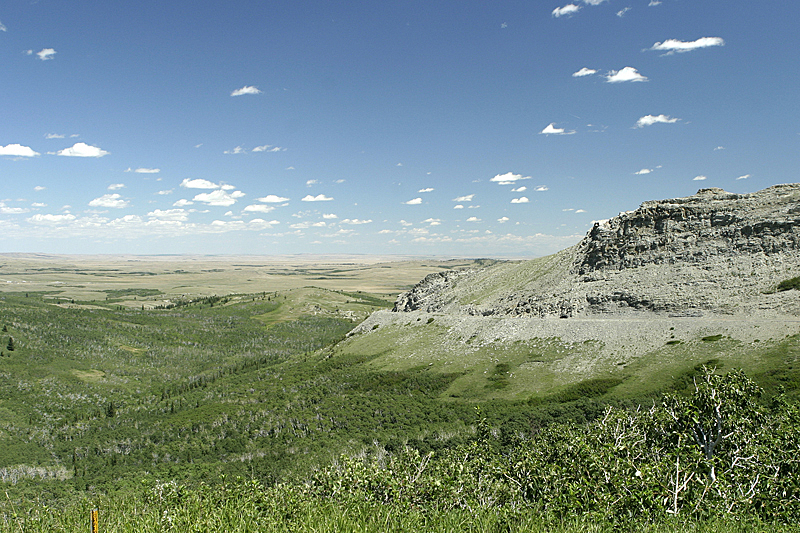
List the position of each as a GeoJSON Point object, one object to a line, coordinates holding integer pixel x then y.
{"type": "Point", "coordinates": [711, 223]}
{"type": "Point", "coordinates": [713, 252]}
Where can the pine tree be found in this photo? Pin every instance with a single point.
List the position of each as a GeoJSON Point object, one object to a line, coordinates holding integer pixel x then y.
{"type": "Point", "coordinates": [10, 346]}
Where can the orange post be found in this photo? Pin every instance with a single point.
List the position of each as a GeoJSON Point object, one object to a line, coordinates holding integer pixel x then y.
{"type": "Point", "coordinates": [94, 521]}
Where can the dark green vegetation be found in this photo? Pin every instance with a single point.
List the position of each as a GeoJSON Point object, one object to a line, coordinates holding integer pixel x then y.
{"type": "Point", "coordinates": [152, 413]}
{"type": "Point", "coordinates": [789, 284]}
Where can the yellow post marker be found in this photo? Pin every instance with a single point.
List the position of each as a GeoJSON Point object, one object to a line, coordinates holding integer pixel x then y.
{"type": "Point", "coordinates": [94, 521]}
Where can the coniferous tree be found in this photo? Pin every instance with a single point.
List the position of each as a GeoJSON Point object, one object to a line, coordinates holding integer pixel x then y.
{"type": "Point", "coordinates": [10, 346]}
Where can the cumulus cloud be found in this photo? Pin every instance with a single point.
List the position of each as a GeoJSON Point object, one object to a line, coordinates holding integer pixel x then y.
{"type": "Point", "coordinates": [237, 150]}
{"type": "Point", "coordinates": [50, 219]}
{"type": "Point", "coordinates": [743, 177]}
{"type": "Point", "coordinates": [247, 89]}
{"type": "Point", "coordinates": [567, 10]}
{"type": "Point", "coordinates": [54, 136]}
{"type": "Point", "coordinates": [551, 129]}
{"type": "Point", "coordinates": [621, 12]}
{"type": "Point", "coordinates": [585, 71]}
{"type": "Point", "coordinates": [258, 208]}
{"type": "Point", "coordinates": [699, 178]}
{"type": "Point", "coordinates": [268, 148]}
{"type": "Point", "coordinates": [643, 171]}
{"type": "Point", "coordinates": [198, 184]}
{"type": "Point", "coordinates": [649, 120]}
{"type": "Point", "coordinates": [317, 198]}
{"type": "Point", "coordinates": [580, 210]}
{"type": "Point", "coordinates": [503, 220]}
{"type": "Point", "coordinates": [427, 189]}
{"type": "Point", "coordinates": [39, 188]}
{"type": "Point", "coordinates": [272, 199]}
{"type": "Point", "coordinates": [116, 186]}
{"type": "Point", "coordinates": [219, 197]}
{"type": "Point", "coordinates": [147, 170]}
{"type": "Point", "coordinates": [356, 221]}
{"type": "Point", "coordinates": [519, 189]}
{"type": "Point", "coordinates": [414, 201]}
{"type": "Point", "coordinates": [473, 219]}
{"type": "Point", "coordinates": [82, 150]}
{"type": "Point", "coordinates": [433, 221]}
{"type": "Point", "coordinates": [508, 178]}
{"type": "Point", "coordinates": [182, 203]}
{"type": "Point", "coordinates": [520, 200]}
{"type": "Point", "coordinates": [179, 215]}
{"type": "Point", "coordinates": [46, 53]}
{"type": "Point", "coordinates": [625, 74]}
{"type": "Point", "coordinates": [458, 206]}
{"type": "Point", "coordinates": [109, 200]}
{"type": "Point", "coordinates": [18, 150]}
{"type": "Point", "coordinates": [467, 198]}
{"type": "Point", "coordinates": [329, 216]}
{"type": "Point", "coordinates": [674, 45]}
{"type": "Point", "coordinates": [5, 210]}
{"type": "Point", "coordinates": [541, 188]}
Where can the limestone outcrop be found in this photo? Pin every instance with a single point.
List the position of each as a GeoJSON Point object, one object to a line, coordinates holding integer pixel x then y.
{"type": "Point", "coordinates": [714, 252]}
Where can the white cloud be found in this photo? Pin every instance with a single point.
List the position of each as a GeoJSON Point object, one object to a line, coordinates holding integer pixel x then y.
{"type": "Point", "coordinates": [459, 206]}
{"type": "Point", "coordinates": [621, 12]}
{"type": "Point", "coordinates": [317, 198]}
{"type": "Point", "coordinates": [585, 71]}
{"type": "Point", "coordinates": [82, 150]}
{"type": "Point", "coordinates": [519, 189]}
{"type": "Point", "coordinates": [259, 208]}
{"type": "Point", "coordinates": [147, 170]}
{"type": "Point", "coordinates": [39, 188]}
{"type": "Point", "coordinates": [503, 220]}
{"type": "Point", "coordinates": [51, 219]}
{"type": "Point", "coordinates": [551, 129]}
{"type": "Point", "coordinates": [405, 223]}
{"type": "Point", "coordinates": [17, 150]}
{"type": "Point", "coordinates": [109, 200]}
{"type": "Point", "coordinates": [329, 216]}
{"type": "Point", "coordinates": [415, 201]}
{"type": "Point", "coordinates": [54, 136]}
{"type": "Point", "coordinates": [237, 150]}
{"type": "Point", "coordinates": [467, 198]}
{"type": "Point", "coordinates": [719, 148]}
{"type": "Point", "coordinates": [4, 209]}
{"type": "Point", "coordinates": [643, 171]}
{"type": "Point", "coordinates": [46, 53]}
{"type": "Point", "coordinates": [673, 45]}
{"type": "Point", "coordinates": [179, 215]}
{"type": "Point", "coordinates": [247, 89]}
{"type": "Point", "coordinates": [654, 3]}
{"type": "Point", "coordinates": [38, 204]}
{"type": "Point", "coordinates": [272, 199]}
{"type": "Point", "coordinates": [2, 27]}
{"type": "Point", "coordinates": [356, 221]}
{"type": "Point", "coordinates": [699, 178]}
{"type": "Point", "coordinates": [649, 120]}
{"type": "Point", "coordinates": [743, 177]}
{"type": "Point", "coordinates": [427, 189]}
{"type": "Point", "coordinates": [182, 203]}
{"type": "Point", "coordinates": [541, 188]}
{"type": "Point", "coordinates": [580, 210]}
{"type": "Point", "coordinates": [198, 184]}
{"type": "Point", "coordinates": [567, 10]}
{"type": "Point", "coordinates": [165, 192]}
{"type": "Point", "coordinates": [268, 148]}
{"type": "Point", "coordinates": [626, 74]}
{"type": "Point", "coordinates": [508, 178]}
{"type": "Point", "coordinates": [520, 200]}
{"type": "Point", "coordinates": [473, 219]}
{"type": "Point", "coordinates": [433, 221]}
{"type": "Point", "coordinates": [593, 2]}
{"type": "Point", "coordinates": [219, 197]}
{"type": "Point", "coordinates": [116, 186]}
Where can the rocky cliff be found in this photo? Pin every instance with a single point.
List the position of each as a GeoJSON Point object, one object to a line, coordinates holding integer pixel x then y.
{"type": "Point", "coordinates": [713, 252]}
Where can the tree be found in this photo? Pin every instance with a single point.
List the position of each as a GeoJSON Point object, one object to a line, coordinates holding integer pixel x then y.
{"type": "Point", "coordinates": [10, 346]}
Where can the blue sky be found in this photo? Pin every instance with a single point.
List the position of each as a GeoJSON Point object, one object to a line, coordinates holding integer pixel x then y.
{"type": "Point", "coordinates": [466, 127]}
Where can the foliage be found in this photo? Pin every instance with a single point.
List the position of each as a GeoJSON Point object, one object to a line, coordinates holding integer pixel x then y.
{"type": "Point", "coordinates": [789, 284]}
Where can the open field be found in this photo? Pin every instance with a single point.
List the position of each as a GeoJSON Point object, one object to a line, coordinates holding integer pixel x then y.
{"type": "Point", "coordinates": [157, 280]}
